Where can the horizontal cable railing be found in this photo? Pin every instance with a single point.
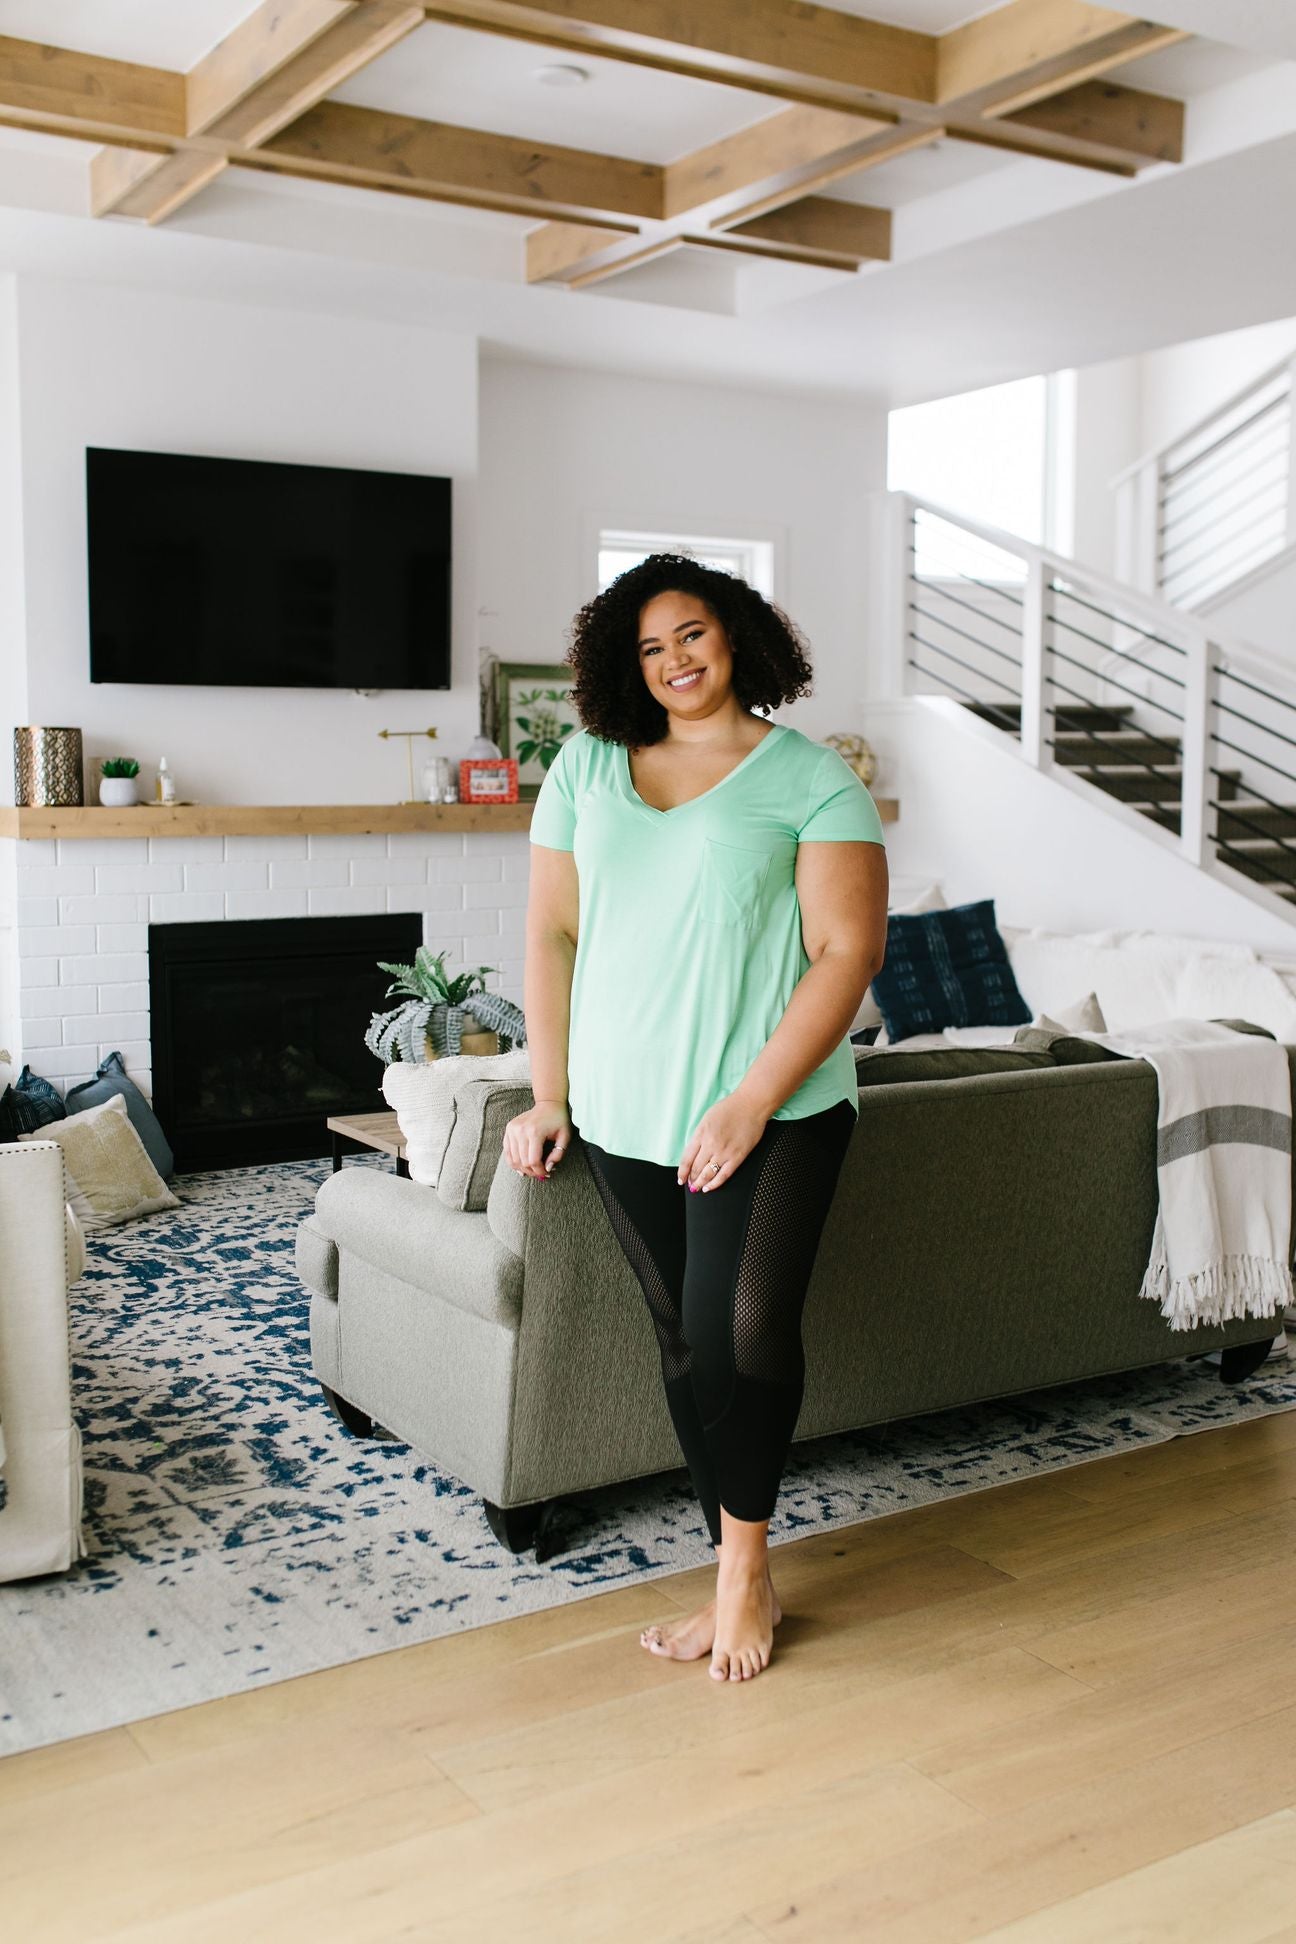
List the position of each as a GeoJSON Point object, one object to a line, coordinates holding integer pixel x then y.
{"type": "Point", "coordinates": [1217, 503]}
{"type": "Point", "coordinates": [1116, 689]}
{"type": "Point", "coordinates": [963, 607]}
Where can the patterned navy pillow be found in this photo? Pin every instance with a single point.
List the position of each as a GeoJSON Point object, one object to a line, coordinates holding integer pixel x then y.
{"type": "Point", "coordinates": [947, 968]}
{"type": "Point", "coordinates": [18, 1115]}
{"type": "Point", "coordinates": [44, 1100]}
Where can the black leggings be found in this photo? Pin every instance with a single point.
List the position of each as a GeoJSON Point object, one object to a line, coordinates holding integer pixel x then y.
{"type": "Point", "coordinates": [725, 1275]}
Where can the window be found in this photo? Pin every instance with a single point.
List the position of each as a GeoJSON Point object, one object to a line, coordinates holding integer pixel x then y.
{"type": "Point", "coordinates": [998, 456]}
{"type": "Point", "coordinates": [751, 560]}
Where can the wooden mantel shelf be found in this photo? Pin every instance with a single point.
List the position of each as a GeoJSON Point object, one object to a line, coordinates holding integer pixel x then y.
{"type": "Point", "coordinates": [277, 820]}
{"type": "Point", "coordinates": [264, 820]}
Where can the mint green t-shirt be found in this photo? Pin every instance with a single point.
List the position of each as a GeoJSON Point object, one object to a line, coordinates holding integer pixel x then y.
{"type": "Point", "coordinates": [689, 940]}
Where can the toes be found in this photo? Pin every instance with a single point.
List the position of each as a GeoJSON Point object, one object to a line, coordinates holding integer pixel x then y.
{"type": "Point", "coordinates": [720, 1668]}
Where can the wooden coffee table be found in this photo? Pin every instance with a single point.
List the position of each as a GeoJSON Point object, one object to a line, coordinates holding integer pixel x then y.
{"type": "Point", "coordinates": [380, 1131]}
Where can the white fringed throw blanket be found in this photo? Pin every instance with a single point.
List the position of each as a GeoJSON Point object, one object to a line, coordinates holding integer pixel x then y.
{"type": "Point", "coordinates": [1220, 1249]}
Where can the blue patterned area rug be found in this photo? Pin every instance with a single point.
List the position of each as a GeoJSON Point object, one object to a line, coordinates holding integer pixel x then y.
{"type": "Point", "coordinates": [238, 1535]}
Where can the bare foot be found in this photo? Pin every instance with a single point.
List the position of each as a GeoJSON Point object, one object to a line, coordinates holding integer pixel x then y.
{"type": "Point", "coordinates": [744, 1630]}
{"type": "Point", "coordinates": [691, 1638]}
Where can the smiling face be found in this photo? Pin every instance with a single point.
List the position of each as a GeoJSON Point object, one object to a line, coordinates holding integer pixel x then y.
{"type": "Point", "coordinates": [684, 654]}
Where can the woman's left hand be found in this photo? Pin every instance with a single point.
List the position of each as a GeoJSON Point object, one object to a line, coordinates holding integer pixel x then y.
{"type": "Point", "coordinates": [726, 1134]}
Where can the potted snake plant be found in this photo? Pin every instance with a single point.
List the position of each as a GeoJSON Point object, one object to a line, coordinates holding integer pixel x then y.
{"type": "Point", "coordinates": [434, 1017]}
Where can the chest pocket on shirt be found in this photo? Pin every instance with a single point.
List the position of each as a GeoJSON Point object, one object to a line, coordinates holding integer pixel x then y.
{"type": "Point", "coordinates": [731, 882]}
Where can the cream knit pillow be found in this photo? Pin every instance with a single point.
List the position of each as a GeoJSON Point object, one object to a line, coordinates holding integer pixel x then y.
{"type": "Point", "coordinates": [110, 1177]}
{"type": "Point", "coordinates": [423, 1099]}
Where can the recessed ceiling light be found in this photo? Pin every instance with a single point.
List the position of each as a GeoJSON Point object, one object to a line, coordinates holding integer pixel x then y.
{"type": "Point", "coordinates": [560, 74]}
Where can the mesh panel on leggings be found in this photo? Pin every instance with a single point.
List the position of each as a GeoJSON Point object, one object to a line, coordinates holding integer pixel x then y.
{"type": "Point", "coordinates": [783, 1229]}
{"type": "Point", "coordinates": [664, 1310]}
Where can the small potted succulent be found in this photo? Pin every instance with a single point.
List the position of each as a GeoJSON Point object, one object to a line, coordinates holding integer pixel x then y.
{"type": "Point", "coordinates": [117, 782]}
{"type": "Point", "coordinates": [434, 1018]}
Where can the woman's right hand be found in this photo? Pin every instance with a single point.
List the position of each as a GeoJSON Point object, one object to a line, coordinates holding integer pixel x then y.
{"type": "Point", "coordinates": [527, 1135]}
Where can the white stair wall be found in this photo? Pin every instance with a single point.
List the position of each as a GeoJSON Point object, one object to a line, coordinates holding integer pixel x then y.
{"type": "Point", "coordinates": [1261, 609]}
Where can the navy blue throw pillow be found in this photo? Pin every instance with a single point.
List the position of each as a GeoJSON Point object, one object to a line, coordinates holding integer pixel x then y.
{"type": "Point", "coordinates": [18, 1115]}
{"type": "Point", "coordinates": [39, 1095]}
{"type": "Point", "coordinates": [947, 968]}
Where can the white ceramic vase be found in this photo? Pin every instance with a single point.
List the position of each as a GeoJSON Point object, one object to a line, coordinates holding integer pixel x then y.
{"type": "Point", "coordinates": [115, 792]}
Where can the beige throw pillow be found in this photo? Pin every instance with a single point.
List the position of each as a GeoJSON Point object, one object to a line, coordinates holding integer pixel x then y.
{"type": "Point", "coordinates": [110, 1177]}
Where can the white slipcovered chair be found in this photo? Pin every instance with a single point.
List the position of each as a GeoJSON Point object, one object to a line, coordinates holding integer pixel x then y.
{"type": "Point", "coordinates": [41, 1255]}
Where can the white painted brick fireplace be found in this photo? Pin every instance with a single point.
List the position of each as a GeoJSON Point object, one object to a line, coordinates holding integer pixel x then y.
{"type": "Point", "coordinates": [83, 908]}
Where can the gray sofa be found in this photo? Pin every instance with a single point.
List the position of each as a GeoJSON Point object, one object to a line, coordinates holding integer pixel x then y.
{"type": "Point", "coordinates": [988, 1236]}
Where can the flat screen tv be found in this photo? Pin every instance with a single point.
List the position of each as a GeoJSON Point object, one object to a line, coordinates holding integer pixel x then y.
{"type": "Point", "coordinates": [250, 574]}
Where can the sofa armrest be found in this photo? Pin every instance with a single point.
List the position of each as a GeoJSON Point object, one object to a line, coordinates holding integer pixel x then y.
{"type": "Point", "coordinates": [407, 1232]}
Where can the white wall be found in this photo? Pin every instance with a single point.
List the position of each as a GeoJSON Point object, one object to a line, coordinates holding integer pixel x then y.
{"type": "Point", "coordinates": [986, 824]}
{"type": "Point", "coordinates": [101, 365]}
{"type": "Point", "coordinates": [1185, 382]}
{"type": "Point", "coordinates": [1108, 438]}
{"type": "Point", "coordinates": [564, 452]}
{"type": "Point", "coordinates": [13, 662]}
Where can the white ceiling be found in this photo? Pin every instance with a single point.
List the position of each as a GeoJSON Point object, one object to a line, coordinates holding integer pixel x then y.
{"type": "Point", "coordinates": [923, 171]}
{"type": "Point", "coordinates": [156, 33]}
{"type": "Point", "coordinates": [1265, 27]}
{"type": "Point", "coordinates": [1189, 68]}
{"type": "Point", "coordinates": [487, 81]}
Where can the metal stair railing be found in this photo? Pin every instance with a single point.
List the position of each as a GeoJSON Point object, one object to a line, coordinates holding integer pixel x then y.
{"type": "Point", "coordinates": [1028, 635]}
{"type": "Point", "coordinates": [1215, 504]}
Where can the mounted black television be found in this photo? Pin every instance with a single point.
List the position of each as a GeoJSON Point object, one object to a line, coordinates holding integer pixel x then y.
{"type": "Point", "coordinates": [245, 573]}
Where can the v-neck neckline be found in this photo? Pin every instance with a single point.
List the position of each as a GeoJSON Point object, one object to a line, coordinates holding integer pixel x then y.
{"type": "Point", "coordinates": [650, 809]}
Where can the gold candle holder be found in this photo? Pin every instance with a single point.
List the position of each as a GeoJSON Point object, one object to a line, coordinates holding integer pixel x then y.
{"type": "Point", "coordinates": [410, 736]}
{"type": "Point", "coordinates": [48, 768]}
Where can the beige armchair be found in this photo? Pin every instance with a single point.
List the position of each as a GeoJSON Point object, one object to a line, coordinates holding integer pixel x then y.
{"type": "Point", "coordinates": [41, 1255]}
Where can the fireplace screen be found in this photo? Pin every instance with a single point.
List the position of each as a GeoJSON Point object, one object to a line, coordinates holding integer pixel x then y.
{"type": "Point", "coordinates": [258, 1031]}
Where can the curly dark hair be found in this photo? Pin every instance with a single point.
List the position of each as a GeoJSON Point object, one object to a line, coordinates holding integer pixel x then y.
{"type": "Point", "coordinates": [610, 695]}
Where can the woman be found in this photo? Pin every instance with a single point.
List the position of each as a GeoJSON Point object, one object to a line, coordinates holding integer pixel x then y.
{"type": "Point", "coordinates": [707, 906]}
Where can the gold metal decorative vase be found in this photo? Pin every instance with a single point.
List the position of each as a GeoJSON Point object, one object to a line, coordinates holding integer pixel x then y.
{"type": "Point", "coordinates": [48, 768]}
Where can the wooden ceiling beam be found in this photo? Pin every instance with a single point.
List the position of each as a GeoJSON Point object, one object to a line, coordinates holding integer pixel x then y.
{"type": "Point", "coordinates": [741, 197]}
{"type": "Point", "coordinates": [336, 142]}
{"type": "Point", "coordinates": [1127, 124]}
{"type": "Point", "coordinates": [761, 199]}
{"type": "Point", "coordinates": [136, 182]}
{"type": "Point", "coordinates": [783, 155]}
{"type": "Point", "coordinates": [61, 92]}
{"type": "Point", "coordinates": [1029, 49]}
{"type": "Point", "coordinates": [824, 225]}
{"type": "Point", "coordinates": [277, 63]}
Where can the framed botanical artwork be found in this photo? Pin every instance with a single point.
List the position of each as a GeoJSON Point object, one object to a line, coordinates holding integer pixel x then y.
{"type": "Point", "coordinates": [534, 718]}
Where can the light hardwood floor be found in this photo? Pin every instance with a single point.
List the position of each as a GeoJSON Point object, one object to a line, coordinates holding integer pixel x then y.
{"type": "Point", "coordinates": [1058, 1712]}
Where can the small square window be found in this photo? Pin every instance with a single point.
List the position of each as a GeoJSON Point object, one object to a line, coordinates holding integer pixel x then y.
{"type": "Point", "coordinates": [750, 560]}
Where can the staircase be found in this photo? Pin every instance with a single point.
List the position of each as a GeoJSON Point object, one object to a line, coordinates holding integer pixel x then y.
{"type": "Point", "coordinates": [1146, 772]}
{"type": "Point", "coordinates": [1111, 691]}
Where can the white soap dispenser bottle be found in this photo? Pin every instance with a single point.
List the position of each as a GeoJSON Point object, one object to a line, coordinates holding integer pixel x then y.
{"type": "Point", "coordinates": [166, 789]}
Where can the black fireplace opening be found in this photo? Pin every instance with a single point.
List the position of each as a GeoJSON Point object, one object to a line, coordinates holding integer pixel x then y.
{"type": "Point", "coordinates": [258, 1031]}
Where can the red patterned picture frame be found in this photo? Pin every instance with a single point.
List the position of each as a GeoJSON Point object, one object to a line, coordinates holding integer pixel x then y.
{"type": "Point", "coordinates": [488, 779]}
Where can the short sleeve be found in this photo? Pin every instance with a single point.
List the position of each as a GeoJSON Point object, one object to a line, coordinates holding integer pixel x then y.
{"type": "Point", "coordinates": [553, 818]}
{"type": "Point", "coordinates": [839, 809]}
